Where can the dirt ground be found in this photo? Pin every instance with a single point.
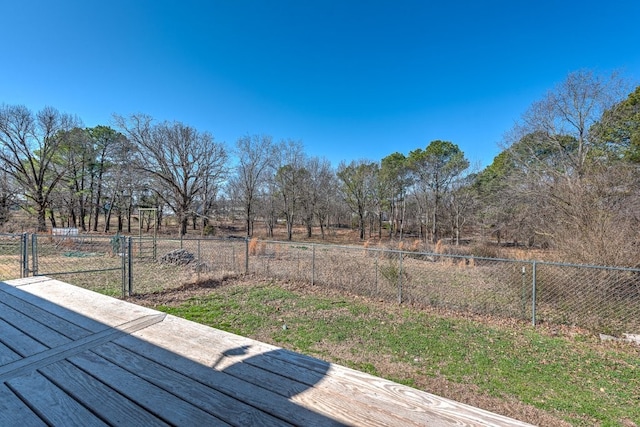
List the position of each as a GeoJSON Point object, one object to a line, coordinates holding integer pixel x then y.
{"type": "Point", "coordinates": [387, 367]}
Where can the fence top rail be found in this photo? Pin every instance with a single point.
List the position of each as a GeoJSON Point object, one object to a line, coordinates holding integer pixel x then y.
{"type": "Point", "coordinates": [190, 239]}
{"type": "Point", "coordinates": [434, 254]}
{"type": "Point", "coordinates": [396, 251]}
{"type": "Point", "coordinates": [352, 248]}
{"type": "Point", "coordinates": [595, 267]}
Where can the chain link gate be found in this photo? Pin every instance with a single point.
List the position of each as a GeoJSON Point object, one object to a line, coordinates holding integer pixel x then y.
{"type": "Point", "coordinates": [99, 263]}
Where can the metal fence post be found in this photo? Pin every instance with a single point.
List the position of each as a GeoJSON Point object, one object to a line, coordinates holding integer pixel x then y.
{"type": "Point", "coordinates": [313, 264]}
{"type": "Point", "coordinates": [24, 256]}
{"type": "Point", "coordinates": [34, 254]}
{"type": "Point", "coordinates": [400, 278]}
{"type": "Point", "coordinates": [246, 255]}
{"type": "Point", "coordinates": [377, 261]}
{"type": "Point", "coordinates": [123, 264]}
{"type": "Point", "coordinates": [524, 292]}
{"type": "Point", "coordinates": [199, 262]}
{"type": "Point", "coordinates": [130, 263]}
{"type": "Point", "coordinates": [533, 293]}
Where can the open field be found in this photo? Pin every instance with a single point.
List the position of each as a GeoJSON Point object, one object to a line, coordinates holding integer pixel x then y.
{"type": "Point", "coordinates": [549, 376]}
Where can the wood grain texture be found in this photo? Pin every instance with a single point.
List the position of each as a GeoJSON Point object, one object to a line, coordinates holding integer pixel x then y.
{"type": "Point", "coordinates": [103, 309]}
{"type": "Point", "coordinates": [32, 327]}
{"type": "Point", "coordinates": [18, 341]}
{"type": "Point", "coordinates": [13, 411]}
{"type": "Point", "coordinates": [20, 289]}
{"type": "Point", "coordinates": [109, 405]}
{"type": "Point", "coordinates": [50, 403]}
{"type": "Point", "coordinates": [193, 390]}
{"type": "Point", "coordinates": [43, 316]}
{"type": "Point", "coordinates": [35, 361]}
{"type": "Point", "coordinates": [7, 355]}
{"type": "Point", "coordinates": [271, 403]}
{"type": "Point", "coordinates": [307, 381]}
{"type": "Point", "coordinates": [152, 398]}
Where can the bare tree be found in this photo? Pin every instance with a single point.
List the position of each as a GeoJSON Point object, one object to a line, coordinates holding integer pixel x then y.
{"type": "Point", "coordinates": [562, 122]}
{"type": "Point", "coordinates": [177, 158]}
{"type": "Point", "coordinates": [289, 179]}
{"type": "Point", "coordinates": [576, 193]}
{"type": "Point", "coordinates": [318, 188]}
{"type": "Point", "coordinates": [256, 154]}
{"type": "Point", "coordinates": [72, 198]}
{"type": "Point", "coordinates": [105, 143]}
{"type": "Point", "coordinates": [358, 178]}
{"type": "Point", "coordinates": [30, 144]}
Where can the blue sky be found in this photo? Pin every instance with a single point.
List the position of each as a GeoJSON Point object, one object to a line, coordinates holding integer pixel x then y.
{"type": "Point", "coordinates": [350, 79]}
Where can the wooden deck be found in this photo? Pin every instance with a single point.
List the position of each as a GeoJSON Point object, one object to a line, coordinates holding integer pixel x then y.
{"type": "Point", "coordinates": [69, 356]}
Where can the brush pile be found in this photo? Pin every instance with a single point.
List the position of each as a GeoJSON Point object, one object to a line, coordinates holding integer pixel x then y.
{"type": "Point", "coordinates": [178, 257]}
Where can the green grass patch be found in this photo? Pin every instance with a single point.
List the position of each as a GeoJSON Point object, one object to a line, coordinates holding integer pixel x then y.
{"type": "Point", "coordinates": [577, 378]}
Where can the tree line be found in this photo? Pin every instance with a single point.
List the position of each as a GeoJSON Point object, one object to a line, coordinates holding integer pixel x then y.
{"type": "Point", "coordinates": [567, 178]}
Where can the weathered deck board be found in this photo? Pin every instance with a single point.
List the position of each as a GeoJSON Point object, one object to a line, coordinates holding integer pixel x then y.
{"type": "Point", "coordinates": [13, 410]}
{"type": "Point", "coordinates": [65, 327]}
{"type": "Point", "coordinates": [89, 305]}
{"type": "Point", "coordinates": [18, 341]}
{"type": "Point", "coordinates": [23, 292]}
{"type": "Point", "coordinates": [52, 404]}
{"type": "Point", "coordinates": [107, 403]}
{"type": "Point", "coordinates": [187, 388]}
{"type": "Point", "coordinates": [7, 355]}
{"type": "Point", "coordinates": [362, 397]}
{"type": "Point", "coordinates": [172, 410]}
{"type": "Point", "coordinates": [268, 402]}
{"type": "Point", "coordinates": [34, 328]}
{"type": "Point", "coordinates": [70, 356]}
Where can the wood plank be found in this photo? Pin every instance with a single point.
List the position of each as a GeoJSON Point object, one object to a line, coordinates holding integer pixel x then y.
{"type": "Point", "coordinates": [317, 400]}
{"type": "Point", "coordinates": [364, 388]}
{"type": "Point", "coordinates": [50, 403]}
{"type": "Point", "coordinates": [18, 341]}
{"type": "Point", "coordinates": [312, 392]}
{"type": "Point", "coordinates": [392, 396]}
{"type": "Point", "coordinates": [53, 308]}
{"type": "Point", "coordinates": [101, 308]}
{"type": "Point", "coordinates": [209, 399]}
{"type": "Point", "coordinates": [14, 412]}
{"type": "Point", "coordinates": [7, 355]}
{"type": "Point", "coordinates": [267, 401]}
{"type": "Point", "coordinates": [159, 402]}
{"type": "Point", "coordinates": [111, 406]}
{"type": "Point", "coordinates": [43, 333]}
{"type": "Point", "coordinates": [57, 323]}
{"type": "Point", "coordinates": [28, 364]}
{"type": "Point", "coordinates": [201, 343]}
{"type": "Point", "coordinates": [26, 281]}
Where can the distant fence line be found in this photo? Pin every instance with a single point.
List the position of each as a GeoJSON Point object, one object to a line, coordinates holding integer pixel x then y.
{"type": "Point", "coordinates": [602, 299]}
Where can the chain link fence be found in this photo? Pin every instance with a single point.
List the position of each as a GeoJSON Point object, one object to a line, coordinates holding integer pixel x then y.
{"type": "Point", "coordinates": [162, 264]}
{"type": "Point", "coordinates": [602, 299]}
{"type": "Point", "coordinates": [11, 255]}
